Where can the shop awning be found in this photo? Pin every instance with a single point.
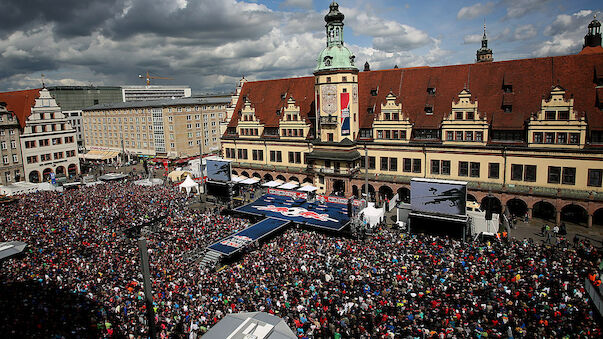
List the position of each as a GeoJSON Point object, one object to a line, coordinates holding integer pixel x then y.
{"type": "Point", "coordinates": [308, 188]}
{"type": "Point", "coordinates": [272, 183]}
{"type": "Point", "coordinates": [96, 154]}
{"type": "Point", "coordinates": [236, 178]}
{"type": "Point", "coordinates": [250, 181]}
{"type": "Point", "coordinates": [289, 186]}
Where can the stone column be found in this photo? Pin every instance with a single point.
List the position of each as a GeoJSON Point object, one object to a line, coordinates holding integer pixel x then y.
{"type": "Point", "coordinates": [558, 217]}
{"type": "Point", "coordinates": [590, 221]}
{"type": "Point", "coordinates": [529, 213]}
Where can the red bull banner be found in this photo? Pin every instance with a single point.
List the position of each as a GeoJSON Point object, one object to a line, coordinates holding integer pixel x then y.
{"type": "Point", "coordinates": [345, 113]}
{"type": "Point", "coordinates": [336, 200]}
{"type": "Point", "coordinates": [292, 194]}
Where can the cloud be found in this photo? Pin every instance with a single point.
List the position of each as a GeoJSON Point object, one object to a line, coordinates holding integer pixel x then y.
{"type": "Point", "coordinates": [303, 4]}
{"type": "Point", "coordinates": [473, 11]}
{"type": "Point", "coordinates": [519, 8]}
{"type": "Point", "coordinates": [388, 35]}
{"type": "Point", "coordinates": [566, 34]}
{"type": "Point", "coordinates": [524, 32]}
{"type": "Point", "coordinates": [472, 39]}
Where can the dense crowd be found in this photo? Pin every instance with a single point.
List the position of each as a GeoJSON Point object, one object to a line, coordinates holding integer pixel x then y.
{"type": "Point", "coordinates": [387, 285]}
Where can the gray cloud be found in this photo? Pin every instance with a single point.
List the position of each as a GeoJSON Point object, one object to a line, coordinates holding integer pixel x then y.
{"type": "Point", "coordinates": [473, 11]}
{"type": "Point", "coordinates": [519, 8]}
{"type": "Point", "coordinates": [566, 34]}
{"type": "Point", "coordinates": [304, 4]}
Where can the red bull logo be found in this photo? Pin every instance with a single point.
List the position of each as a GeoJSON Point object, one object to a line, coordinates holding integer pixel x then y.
{"type": "Point", "coordinates": [296, 212]}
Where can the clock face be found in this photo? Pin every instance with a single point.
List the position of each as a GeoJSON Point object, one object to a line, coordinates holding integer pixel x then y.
{"type": "Point", "coordinates": [329, 99]}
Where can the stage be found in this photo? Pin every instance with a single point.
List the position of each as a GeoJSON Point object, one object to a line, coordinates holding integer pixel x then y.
{"type": "Point", "coordinates": [280, 212]}
{"type": "Point", "coordinates": [330, 216]}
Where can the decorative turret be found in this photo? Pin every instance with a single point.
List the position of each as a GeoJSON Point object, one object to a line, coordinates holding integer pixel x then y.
{"type": "Point", "coordinates": [593, 37]}
{"type": "Point", "coordinates": [335, 56]}
{"type": "Point", "coordinates": [484, 54]}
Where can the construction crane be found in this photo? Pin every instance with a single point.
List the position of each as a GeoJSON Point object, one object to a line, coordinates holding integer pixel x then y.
{"type": "Point", "coordinates": [149, 77]}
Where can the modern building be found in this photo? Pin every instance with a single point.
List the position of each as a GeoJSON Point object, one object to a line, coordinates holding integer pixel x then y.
{"type": "Point", "coordinates": [11, 167]}
{"type": "Point", "coordinates": [72, 99]}
{"type": "Point", "coordinates": [172, 127]}
{"type": "Point", "coordinates": [154, 92]}
{"type": "Point", "coordinates": [526, 134]}
{"type": "Point", "coordinates": [48, 145]}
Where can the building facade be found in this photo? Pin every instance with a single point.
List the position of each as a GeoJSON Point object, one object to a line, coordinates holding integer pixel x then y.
{"type": "Point", "coordinates": [173, 128]}
{"type": "Point", "coordinates": [526, 134]}
{"type": "Point", "coordinates": [154, 92]}
{"type": "Point", "coordinates": [11, 167]}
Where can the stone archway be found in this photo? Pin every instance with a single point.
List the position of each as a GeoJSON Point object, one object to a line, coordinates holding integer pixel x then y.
{"type": "Point", "coordinates": [294, 178]}
{"type": "Point", "coordinates": [268, 177]}
{"type": "Point", "coordinates": [34, 176]}
{"type": "Point", "coordinates": [235, 172]}
{"type": "Point", "coordinates": [281, 177]}
{"type": "Point", "coordinates": [575, 214]}
{"type": "Point", "coordinates": [544, 210]}
{"type": "Point", "coordinates": [256, 175]}
{"type": "Point", "coordinates": [46, 174]}
{"type": "Point", "coordinates": [371, 191]}
{"type": "Point", "coordinates": [493, 203]}
{"type": "Point", "coordinates": [517, 207]}
{"type": "Point", "coordinates": [245, 174]}
{"type": "Point", "coordinates": [355, 191]}
{"type": "Point", "coordinates": [60, 171]}
{"type": "Point", "coordinates": [404, 194]}
{"type": "Point", "coordinates": [598, 217]}
{"type": "Point", "coordinates": [339, 187]}
{"type": "Point", "coordinates": [308, 180]}
{"type": "Point", "coordinates": [386, 192]}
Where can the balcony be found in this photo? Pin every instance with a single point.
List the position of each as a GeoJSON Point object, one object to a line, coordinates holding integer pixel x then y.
{"type": "Point", "coordinates": [337, 171]}
{"type": "Point", "coordinates": [328, 120]}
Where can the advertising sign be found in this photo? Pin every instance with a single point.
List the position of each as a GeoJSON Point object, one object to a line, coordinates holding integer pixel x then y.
{"type": "Point", "coordinates": [285, 193]}
{"type": "Point", "coordinates": [218, 170]}
{"type": "Point", "coordinates": [345, 113]}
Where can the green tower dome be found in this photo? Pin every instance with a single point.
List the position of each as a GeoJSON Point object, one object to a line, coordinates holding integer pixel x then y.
{"type": "Point", "coordinates": [335, 56]}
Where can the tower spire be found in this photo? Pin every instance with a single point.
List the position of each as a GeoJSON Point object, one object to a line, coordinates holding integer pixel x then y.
{"type": "Point", "coordinates": [593, 36]}
{"type": "Point", "coordinates": [484, 54]}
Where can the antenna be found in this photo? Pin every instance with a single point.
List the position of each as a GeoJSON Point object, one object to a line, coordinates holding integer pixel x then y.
{"type": "Point", "coordinates": [42, 78]}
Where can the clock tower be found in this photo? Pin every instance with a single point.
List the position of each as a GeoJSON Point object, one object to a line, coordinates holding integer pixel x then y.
{"type": "Point", "coordinates": [336, 84]}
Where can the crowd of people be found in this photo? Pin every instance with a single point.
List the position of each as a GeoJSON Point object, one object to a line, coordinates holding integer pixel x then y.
{"type": "Point", "coordinates": [389, 285]}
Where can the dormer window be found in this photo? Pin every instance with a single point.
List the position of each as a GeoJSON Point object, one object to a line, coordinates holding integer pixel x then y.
{"type": "Point", "coordinates": [563, 115]}
{"type": "Point", "coordinates": [507, 88]}
{"type": "Point", "coordinates": [507, 108]}
{"type": "Point", "coordinates": [431, 90]}
{"type": "Point", "coordinates": [459, 116]}
{"type": "Point", "coordinates": [352, 59]}
{"type": "Point", "coordinates": [278, 112]}
{"type": "Point", "coordinates": [374, 92]}
{"type": "Point", "coordinates": [369, 110]}
{"type": "Point", "coordinates": [282, 97]}
{"type": "Point", "coordinates": [327, 60]}
{"type": "Point", "coordinates": [428, 110]}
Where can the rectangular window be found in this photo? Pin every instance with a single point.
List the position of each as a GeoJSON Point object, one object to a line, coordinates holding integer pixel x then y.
{"type": "Point", "coordinates": [384, 163]}
{"type": "Point", "coordinates": [459, 136]}
{"type": "Point", "coordinates": [563, 115]}
{"type": "Point", "coordinates": [549, 138]}
{"type": "Point", "coordinates": [459, 116]}
{"type": "Point", "coordinates": [291, 157]}
{"type": "Point", "coordinates": [475, 166]}
{"type": "Point", "coordinates": [449, 135]}
{"type": "Point", "coordinates": [537, 137]}
{"type": "Point", "coordinates": [298, 157]}
{"type": "Point", "coordinates": [594, 177]}
{"type": "Point", "coordinates": [493, 170]}
{"type": "Point", "coordinates": [372, 162]}
{"type": "Point", "coordinates": [562, 138]}
{"type": "Point", "coordinates": [479, 136]}
{"type": "Point", "coordinates": [569, 176]}
{"type": "Point", "coordinates": [416, 165]}
{"type": "Point", "coordinates": [516, 172]}
{"type": "Point", "coordinates": [435, 166]}
{"type": "Point", "coordinates": [393, 164]}
{"type": "Point", "coordinates": [469, 136]}
{"type": "Point", "coordinates": [530, 173]}
{"type": "Point", "coordinates": [574, 138]}
{"type": "Point", "coordinates": [554, 176]}
{"type": "Point", "coordinates": [445, 167]}
{"type": "Point", "coordinates": [550, 115]}
{"type": "Point", "coordinates": [463, 168]}
{"type": "Point", "coordinates": [470, 115]}
{"type": "Point", "coordinates": [407, 165]}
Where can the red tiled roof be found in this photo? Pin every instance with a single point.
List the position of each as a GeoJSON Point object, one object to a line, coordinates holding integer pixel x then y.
{"type": "Point", "coordinates": [531, 80]}
{"type": "Point", "coordinates": [20, 103]}
{"type": "Point", "coordinates": [591, 50]}
{"type": "Point", "coordinates": [271, 95]}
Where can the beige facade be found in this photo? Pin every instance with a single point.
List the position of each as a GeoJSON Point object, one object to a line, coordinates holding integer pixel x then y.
{"type": "Point", "coordinates": [173, 128]}
{"type": "Point", "coordinates": [11, 165]}
{"type": "Point", "coordinates": [48, 142]}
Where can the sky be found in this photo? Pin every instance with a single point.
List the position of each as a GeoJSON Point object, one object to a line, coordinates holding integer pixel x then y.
{"type": "Point", "coordinates": [209, 44]}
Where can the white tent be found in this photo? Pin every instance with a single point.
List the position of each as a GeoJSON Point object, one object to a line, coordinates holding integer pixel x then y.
{"type": "Point", "coordinates": [149, 182]}
{"type": "Point", "coordinates": [250, 181]}
{"type": "Point", "coordinates": [272, 183]}
{"type": "Point", "coordinates": [308, 188]}
{"type": "Point", "coordinates": [188, 184]}
{"type": "Point", "coordinates": [289, 186]}
{"type": "Point", "coordinates": [236, 178]}
{"type": "Point", "coordinates": [20, 187]}
{"type": "Point", "coordinates": [372, 215]}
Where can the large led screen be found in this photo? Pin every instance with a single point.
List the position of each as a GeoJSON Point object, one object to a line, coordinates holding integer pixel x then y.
{"type": "Point", "coordinates": [218, 170]}
{"type": "Point", "coordinates": [438, 196]}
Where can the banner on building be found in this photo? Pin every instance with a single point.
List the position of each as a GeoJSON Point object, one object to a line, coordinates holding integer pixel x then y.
{"type": "Point", "coordinates": [345, 113]}
{"type": "Point", "coordinates": [292, 194]}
